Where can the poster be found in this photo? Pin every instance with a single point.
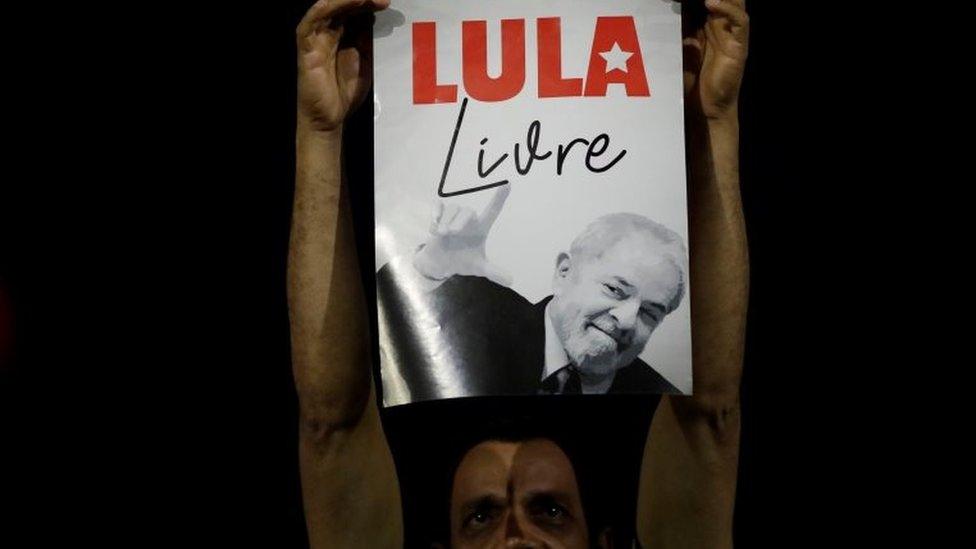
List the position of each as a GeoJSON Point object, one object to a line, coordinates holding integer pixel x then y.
{"type": "Point", "coordinates": [530, 199]}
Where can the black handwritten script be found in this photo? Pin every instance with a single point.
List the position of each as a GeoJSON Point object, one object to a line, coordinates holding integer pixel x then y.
{"type": "Point", "coordinates": [594, 149]}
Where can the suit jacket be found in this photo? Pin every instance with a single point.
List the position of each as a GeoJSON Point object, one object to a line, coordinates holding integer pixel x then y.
{"type": "Point", "coordinates": [473, 337]}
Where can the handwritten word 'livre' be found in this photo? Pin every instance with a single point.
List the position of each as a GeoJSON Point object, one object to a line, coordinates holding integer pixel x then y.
{"type": "Point", "coordinates": [594, 149]}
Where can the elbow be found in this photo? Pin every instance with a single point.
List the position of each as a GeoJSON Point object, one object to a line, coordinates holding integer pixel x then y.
{"type": "Point", "coordinates": [333, 388]}
{"type": "Point", "coordinates": [716, 416]}
{"type": "Point", "coordinates": [323, 413]}
{"type": "Point", "coordinates": [725, 423]}
{"type": "Point", "coordinates": [320, 425]}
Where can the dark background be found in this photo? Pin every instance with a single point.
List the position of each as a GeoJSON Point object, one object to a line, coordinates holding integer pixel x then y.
{"type": "Point", "coordinates": [147, 390]}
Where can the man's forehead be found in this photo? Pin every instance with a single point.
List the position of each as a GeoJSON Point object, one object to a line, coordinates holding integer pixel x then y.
{"type": "Point", "coordinates": [543, 466]}
{"type": "Point", "coordinates": [495, 465]}
{"type": "Point", "coordinates": [630, 257]}
{"type": "Point", "coordinates": [486, 463]}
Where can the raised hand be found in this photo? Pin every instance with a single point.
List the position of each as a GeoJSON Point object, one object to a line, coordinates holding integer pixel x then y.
{"type": "Point", "coordinates": [335, 60]}
{"type": "Point", "coordinates": [715, 57]}
{"type": "Point", "coordinates": [456, 245]}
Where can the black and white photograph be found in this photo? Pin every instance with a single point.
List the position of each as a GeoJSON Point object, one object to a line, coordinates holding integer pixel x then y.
{"type": "Point", "coordinates": [530, 199]}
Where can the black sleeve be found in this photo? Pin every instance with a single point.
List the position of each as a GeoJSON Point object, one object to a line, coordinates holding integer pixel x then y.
{"type": "Point", "coordinates": [640, 377]}
{"type": "Point", "coordinates": [473, 325]}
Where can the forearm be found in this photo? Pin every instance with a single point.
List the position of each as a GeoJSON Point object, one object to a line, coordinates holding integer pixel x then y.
{"type": "Point", "coordinates": [329, 330]}
{"type": "Point", "coordinates": [349, 482]}
{"type": "Point", "coordinates": [719, 265]}
{"type": "Point", "coordinates": [690, 461]}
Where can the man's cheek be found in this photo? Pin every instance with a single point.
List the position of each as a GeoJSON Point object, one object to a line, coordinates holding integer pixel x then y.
{"type": "Point", "coordinates": [597, 307]}
{"type": "Point", "coordinates": [557, 537]}
{"type": "Point", "coordinates": [643, 336]}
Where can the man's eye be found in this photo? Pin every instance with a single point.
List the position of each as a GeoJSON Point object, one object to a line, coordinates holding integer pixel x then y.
{"type": "Point", "coordinates": [552, 513]}
{"type": "Point", "coordinates": [555, 511]}
{"type": "Point", "coordinates": [478, 519]}
{"type": "Point", "coordinates": [613, 290]}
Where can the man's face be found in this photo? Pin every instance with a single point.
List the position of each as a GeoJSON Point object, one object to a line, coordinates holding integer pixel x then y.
{"type": "Point", "coordinates": [605, 309]}
{"type": "Point", "coordinates": [516, 494]}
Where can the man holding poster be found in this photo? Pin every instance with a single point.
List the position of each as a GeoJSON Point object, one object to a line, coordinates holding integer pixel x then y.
{"type": "Point", "coordinates": [687, 484]}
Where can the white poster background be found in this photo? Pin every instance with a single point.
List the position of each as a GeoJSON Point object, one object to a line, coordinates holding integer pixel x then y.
{"type": "Point", "coordinates": [543, 212]}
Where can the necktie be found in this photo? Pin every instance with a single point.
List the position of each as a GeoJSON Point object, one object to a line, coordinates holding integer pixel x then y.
{"type": "Point", "coordinates": [566, 381]}
{"type": "Point", "coordinates": [573, 385]}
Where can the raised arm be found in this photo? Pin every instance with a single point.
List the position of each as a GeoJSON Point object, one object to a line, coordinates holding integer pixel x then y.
{"type": "Point", "coordinates": [349, 483]}
{"type": "Point", "coordinates": [688, 477]}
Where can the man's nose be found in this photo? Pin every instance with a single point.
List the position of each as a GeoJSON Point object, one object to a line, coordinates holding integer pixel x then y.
{"type": "Point", "coordinates": [626, 314]}
{"type": "Point", "coordinates": [521, 543]}
{"type": "Point", "coordinates": [515, 537]}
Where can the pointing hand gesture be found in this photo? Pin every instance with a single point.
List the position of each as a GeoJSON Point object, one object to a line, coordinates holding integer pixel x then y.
{"type": "Point", "coordinates": [456, 245]}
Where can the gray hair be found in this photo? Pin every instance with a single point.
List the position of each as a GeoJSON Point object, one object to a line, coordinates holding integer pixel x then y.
{"type": "Point", "coordinates": [600, 235]}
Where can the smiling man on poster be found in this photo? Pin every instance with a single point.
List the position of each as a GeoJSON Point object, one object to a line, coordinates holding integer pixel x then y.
{"type": "Point", "coordinates": [616, 283]}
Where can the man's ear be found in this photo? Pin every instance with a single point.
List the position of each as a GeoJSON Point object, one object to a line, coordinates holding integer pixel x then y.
{"type": "Point", "coordinates": [605, 540]}
{"type": "Point", "coordinates": [563, 265]}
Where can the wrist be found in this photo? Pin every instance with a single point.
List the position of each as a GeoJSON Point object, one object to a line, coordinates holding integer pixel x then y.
{"type": "Point", "coordinates": [712, 147]}
{"type": "Point", "coordinates": [698, 121]}
{"type": "Point", "coordinates": [429, 262]}
{"type": "Point", "coordinates": [436, 261]}
{"type": "Point", "coordinates": [308, 129]}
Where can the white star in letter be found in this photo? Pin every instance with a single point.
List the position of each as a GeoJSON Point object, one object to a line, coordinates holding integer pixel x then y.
{"type": "Point", "coordinates": [616, 58]}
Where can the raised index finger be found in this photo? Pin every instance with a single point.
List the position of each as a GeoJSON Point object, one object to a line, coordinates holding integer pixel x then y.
{"type": "Point", "coordinates": [494, 207]}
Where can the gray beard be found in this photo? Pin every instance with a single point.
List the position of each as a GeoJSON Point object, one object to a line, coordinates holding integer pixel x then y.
{"type": "Point", "coordinates": [591, 359]}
